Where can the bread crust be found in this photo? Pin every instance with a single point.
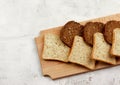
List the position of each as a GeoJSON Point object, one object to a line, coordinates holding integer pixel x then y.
{"type": "Point", "coordinates": [83, 65]}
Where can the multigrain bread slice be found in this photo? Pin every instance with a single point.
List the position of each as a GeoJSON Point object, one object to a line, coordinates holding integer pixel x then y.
{"type": "Point", "coordinates": [54, 49]}
{"type": "Point", "coordinates": [115, 50]}
{"type": "Point", "coordinates": [89, 29]}
{"type": "Point", "coordinates": [101, 49]}
{"type": "Point", "coordinates": [108, 30]}
{"type": "Point", "coordinates": [81, 53]}
{"type": "Point", "coordinates": [69, 31]}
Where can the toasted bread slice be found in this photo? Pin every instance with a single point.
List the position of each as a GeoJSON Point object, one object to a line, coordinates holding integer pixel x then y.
{"type": "Point", "coordinates": [115, 50]}
{"type": "Point", "coordinates": [81, 53]}
{"type": "Point", "coordinates": [54, 49]}
{"type": "Point", "coordinates": [101, 50]}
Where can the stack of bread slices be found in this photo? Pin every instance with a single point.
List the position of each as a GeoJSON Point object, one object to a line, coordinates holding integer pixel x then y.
{"type": "Point", "coordinates": [84, 45]}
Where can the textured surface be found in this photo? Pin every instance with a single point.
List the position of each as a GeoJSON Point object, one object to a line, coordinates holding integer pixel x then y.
{"type": "Point", "coordinates": [69, 31]}
{"type": "Point", "coordinates": [90, 29]}
{"type": "Point", "coordinates": [116, 42]}
{"type": "Point", "coordinates": [108, 31]}
{"type": "Point", "coordinates": [101, 49]}
{"type": "Point", "coordinates": [54, 48]}
{"type": "Point", "coordinates": [81, 53]}
{"type": "Point", "coordinates": [21, 21]}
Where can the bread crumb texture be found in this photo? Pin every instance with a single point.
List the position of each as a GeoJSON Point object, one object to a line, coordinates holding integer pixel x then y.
{"type": "Point", "coordinates": [116, 42]}
{"type": "Point", "coordinates": [54, 48]}
{"type": "Point", "coordinates": [101, 49]}
{"type": "Point", "coordinates": [81, 53]}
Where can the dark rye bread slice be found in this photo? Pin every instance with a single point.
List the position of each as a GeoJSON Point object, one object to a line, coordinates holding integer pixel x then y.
{"type": "Point", "coordinates": [89, 30]}
{"type": "Point", "coordinates": [69, 31]}
{"type": "Point", "coordinates": [108, 31]}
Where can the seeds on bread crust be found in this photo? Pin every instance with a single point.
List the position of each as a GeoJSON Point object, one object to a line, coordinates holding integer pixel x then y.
{"type": "Point", "coordinates": [108, 30]}
{"type": "Point", "coordinates": [89, 30]}
{"type": "Point", "coordinates": [69, 31]}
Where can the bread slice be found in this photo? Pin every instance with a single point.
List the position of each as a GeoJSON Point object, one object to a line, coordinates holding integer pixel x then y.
{"type": "Point", "coordinates": [81, 53]}
{"type": "Point", "coordinates": [101, 50]}
{"type": "Point", "coordinates": [54, 49]}
{"type": "Point", "coordinates": [115, 50]}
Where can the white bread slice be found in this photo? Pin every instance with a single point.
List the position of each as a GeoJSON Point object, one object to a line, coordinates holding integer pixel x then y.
{"type": "Point", "coordinates": [115, 50]}
{"type": "Point", "coordinates": [101, 49]}
{"type": "Point", "coordinates": [81, 53]}
{"type": "Point", "coordinates": [54, 49]}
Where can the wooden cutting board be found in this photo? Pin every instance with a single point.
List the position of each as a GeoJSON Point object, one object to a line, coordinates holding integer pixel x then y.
{"type": "Point", "coordinates": [56, 69]}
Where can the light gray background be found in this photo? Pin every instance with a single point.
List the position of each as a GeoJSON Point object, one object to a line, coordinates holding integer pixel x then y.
{"type": "Point", "coordinates": [21, 21]}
